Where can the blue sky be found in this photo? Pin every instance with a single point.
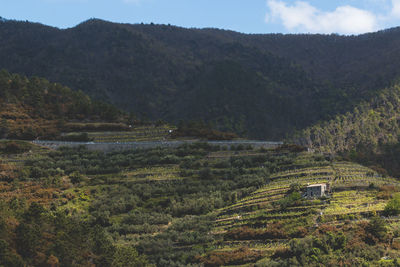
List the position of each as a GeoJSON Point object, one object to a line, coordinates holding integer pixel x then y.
{"type": "Point", "coordinates": [249, 16]}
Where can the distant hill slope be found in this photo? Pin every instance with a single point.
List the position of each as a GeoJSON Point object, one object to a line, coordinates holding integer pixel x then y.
{"type": "Point", "coordinates": [265, 85]}
{"type": "Point", "coordinates": [35, 107]}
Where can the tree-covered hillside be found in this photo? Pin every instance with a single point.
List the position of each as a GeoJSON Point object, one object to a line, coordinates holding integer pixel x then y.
{"type": "Point", "coordinates": [369, 134]}
{"type": "Point", "coordinates": [371, 123]}
{"type": "Point", "coordinates": [35, 107]}
{"type": "Point", "coordinates": [266, 85]}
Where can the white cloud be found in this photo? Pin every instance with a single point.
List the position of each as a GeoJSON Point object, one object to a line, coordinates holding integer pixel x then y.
{"type": "Point", "coordinates": [303, 17]}
{"type": "Point", "coordinates": [396, 8]}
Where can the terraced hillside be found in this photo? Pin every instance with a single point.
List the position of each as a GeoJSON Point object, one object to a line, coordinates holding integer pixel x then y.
{"type": "Point", "coordinates": [196, 204]}
{"type": "Point", "coordinates": [265, 221]}
{"type": "Point", "coordinates": [136, 134]}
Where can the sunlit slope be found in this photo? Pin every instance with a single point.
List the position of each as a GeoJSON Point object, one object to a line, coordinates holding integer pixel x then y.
{"type": "Point", "coordinates": [268, 218]}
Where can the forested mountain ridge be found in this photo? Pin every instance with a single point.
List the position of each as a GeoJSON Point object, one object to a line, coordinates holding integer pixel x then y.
{"type": "Point", "coordinates": [365, 61]}
{"type": "Point", "coordinates": [157, 80]}
{"type": "Point", "coordinates": [262, 85]}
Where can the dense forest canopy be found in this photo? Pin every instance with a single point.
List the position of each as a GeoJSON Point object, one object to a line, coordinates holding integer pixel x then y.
{"type": "Point", "coordinates": [262, 85]}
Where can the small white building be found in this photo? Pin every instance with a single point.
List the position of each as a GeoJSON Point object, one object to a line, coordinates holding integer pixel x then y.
{"type": "Point", "coordinates": [316, 190]}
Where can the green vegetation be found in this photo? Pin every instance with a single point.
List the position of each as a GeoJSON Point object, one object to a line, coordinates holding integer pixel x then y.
{"type": "Point", "coordinates": [194, 204]}
{"type": "Point", "coordinates": [14, 147]}
{"type": "Point", "coordinates": [264, 86]}
{"type": "Point", "coordinates": [202, 131]}
{"type": "Point", "coordinates": [135, 134]}
{"type": "Point", "coordinates": [159, 201]}
{"type": "Point", "coordinates": [31, 108]}
{"type": "Point", "coordinates": [290, 230]}
{"type": "Point", "coordinates": [35, 108]}
{"type": "Point", "coordinates": [369, 135]}
{"type": "Point", "coordinates": [393, 206]}
{"type": "Point", "coordinates": [198, 204]}
{"type": "Point", "coordinates": [370, 124]}
{"type": "Point", "coordinates": [32, 235]}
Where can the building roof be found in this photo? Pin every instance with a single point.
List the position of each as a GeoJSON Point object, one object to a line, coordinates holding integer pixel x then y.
{"type": "Point", "coordinates": [316, 185]}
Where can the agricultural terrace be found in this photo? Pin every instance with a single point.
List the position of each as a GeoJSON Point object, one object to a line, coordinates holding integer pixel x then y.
{"type": "Point", "coordinates": [135, 134]}
{"type": "Point", "coordinates": [272, 215]}
{"type": "Point", "coordinates": [160, 200]}
{"type": "Point", "coordinates": [196, 203]}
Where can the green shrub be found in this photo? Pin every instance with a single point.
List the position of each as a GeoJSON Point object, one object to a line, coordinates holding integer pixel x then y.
{"type": "Point", "coordinates": [393, 206]}
{"type": "Point", "coordinates": [14, 147]}
{"type": "Point", "coordinates": [293, 199]}
{"type": "Point", "coordinates": [76, 137]}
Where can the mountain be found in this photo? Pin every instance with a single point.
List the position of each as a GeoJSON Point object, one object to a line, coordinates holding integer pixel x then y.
{"type": "Point", "coordinates": [198, 204]}
{"type": "Point", "coordinates": [265, 86]}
